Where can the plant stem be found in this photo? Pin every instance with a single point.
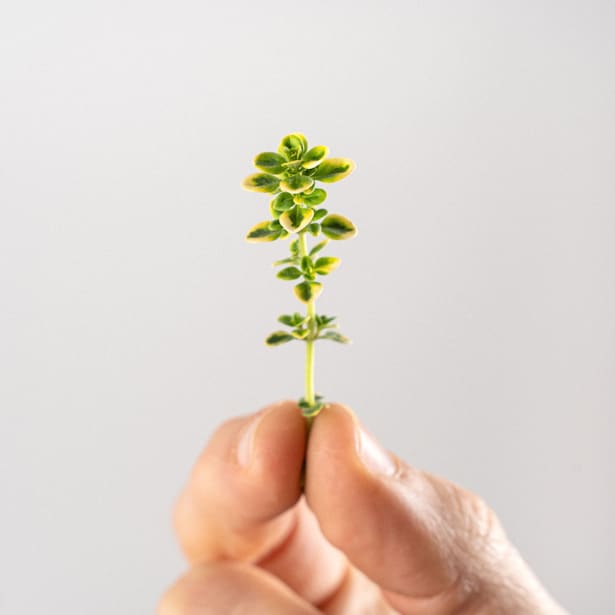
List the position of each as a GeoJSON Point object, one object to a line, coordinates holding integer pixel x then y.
{"type": "Point", "coordinates": [310, 396]}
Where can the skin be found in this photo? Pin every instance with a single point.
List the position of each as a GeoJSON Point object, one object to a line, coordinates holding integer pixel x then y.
{"type": "Point", "coordinates": [369, 534]}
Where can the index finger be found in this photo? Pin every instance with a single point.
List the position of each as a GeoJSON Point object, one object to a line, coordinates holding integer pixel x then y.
{"type": "Point", "coordinates": [243, 502]}
{"type": "Point", "coordinates": [234, 504]}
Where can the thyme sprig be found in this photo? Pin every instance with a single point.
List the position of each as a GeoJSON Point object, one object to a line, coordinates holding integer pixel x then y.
{"type": "Point", "coordinates": [290, 176]}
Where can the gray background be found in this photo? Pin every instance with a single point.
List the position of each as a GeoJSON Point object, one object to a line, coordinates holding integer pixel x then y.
{"type": "Point", "coordinates": [480, 292]}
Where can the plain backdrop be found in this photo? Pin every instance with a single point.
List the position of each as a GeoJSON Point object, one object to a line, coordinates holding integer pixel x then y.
{"type": "Point", "coordinates": [479, 293]}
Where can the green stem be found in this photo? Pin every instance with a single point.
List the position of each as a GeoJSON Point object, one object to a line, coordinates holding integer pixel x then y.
{"type": "Point", "coordinates": [310, 396]}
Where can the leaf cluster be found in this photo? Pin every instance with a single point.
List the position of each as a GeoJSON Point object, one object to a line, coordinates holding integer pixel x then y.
{"type": "Point", "coordinates": [310, 410]}
{"type": "Point", "coordinates": [309, 267]}
{"type": "Point", "coordinates": [290, 175]}
{"type": "Point", "coordinates": [305, 328]}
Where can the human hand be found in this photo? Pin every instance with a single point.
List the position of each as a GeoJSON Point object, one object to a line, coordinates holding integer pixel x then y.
{"type": "Point", "coordinates": [372, 535]}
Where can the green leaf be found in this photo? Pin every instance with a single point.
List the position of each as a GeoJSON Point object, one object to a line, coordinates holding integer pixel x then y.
{"type": "Point", "coordinates": [316, 197]}
{"type": "Point", "coordinates": [262, 232]}
{"type": "Point", "coordinates": [296, 183]}
{"type": "Point", "coordinates": [274, 214]}
{"type": "Point", "coordinates": [318, 247]}
{"type": "Point", "coordinates": [314, 229]}
{"type": "Point", "coordinates": [261, 182]}
{"type": "Point", "coordinates": [322, 320]}
{"type": "Point", "coordinates": [279, 337]}
{"type": "Point", "coordinates": [270, 162]}
{"type": "Point", "coordinates": [293, 166]}
{"type": "Point", "coordinates": [302, 403]}
{"type": "Point", "coordinates": [333, 169]}
{"type": "Point", "coordinates": [284, 261]}
{"type": "Point", "coordinates": [313, 409]}
{"type": "Point", "coordinates": [319, 214]}
{"type": "Point", "coordinates": [299, 319]}
{"type": "Point", "coordinates": [335, 226]}
{"type": "Point", "coordinates": [296, 218]}
{"type": "Point", "coordinates": [313, 157]}
{"type": "Point", "coordinates": [308, 291]}
{"type": "Point", "coordinates": [275, 225]}
{"type": "Point", "coordinates": [307, 267]}
{"type": "Point", "coordinates": [293, 320]}
{"type": "Point", "coordinates": [299, 334]}
{"type": "Point", "coordinates": [293, 146]}
{"type": "Point", "coordinates": [294, 247]}
{"type": "Point", "coordinates": [334, 336]}
{"type": "Point", "coordinates": [289, 273]}
{"type": "Point", "coordinates": [326, 264]}
{"type": "Point", "coordinates": [283, 202]}
{"type": "Point", "coordinates": [287, 319]}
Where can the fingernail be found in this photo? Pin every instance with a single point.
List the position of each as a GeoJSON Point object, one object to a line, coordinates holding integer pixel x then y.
{"type": "Point", "coordinates": [373, 456]}
{"type": "Point", "coordinates": [246, 441]}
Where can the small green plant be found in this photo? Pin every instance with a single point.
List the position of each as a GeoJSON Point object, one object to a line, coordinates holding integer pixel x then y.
{"type": "Point", "coordinates": [291, 177]}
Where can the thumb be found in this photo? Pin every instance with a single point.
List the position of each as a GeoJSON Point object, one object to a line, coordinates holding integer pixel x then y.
{"type": "Point", "coordinates": [430, 545]}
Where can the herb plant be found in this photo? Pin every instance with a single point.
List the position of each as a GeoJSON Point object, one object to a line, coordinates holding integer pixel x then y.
{"type": "Point", "coordinates": [291, 177]}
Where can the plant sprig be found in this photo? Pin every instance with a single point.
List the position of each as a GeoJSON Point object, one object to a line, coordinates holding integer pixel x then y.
{"type": "Point", "coordinates": [290, 176]}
